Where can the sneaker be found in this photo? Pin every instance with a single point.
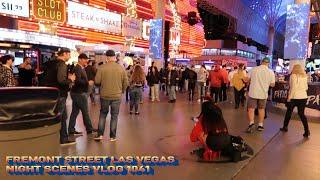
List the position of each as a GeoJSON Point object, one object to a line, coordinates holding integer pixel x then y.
{"type": "Point", "coordinates": [260, 128]}
{"type": "Point", "coordinates": [137, 113]}
{"type": "Point", "coordinates": [113, 139]}
{"type": "Point", "coordinates": [98, 138]}
{"type": "Point", "coordinates": [75, 133]}
{"type": "Point", "coordinates": [250, 128]}
{"type": "Point", "coordinates": [131, 112]}
{"type": "Point", "coordinates": [68, 142]}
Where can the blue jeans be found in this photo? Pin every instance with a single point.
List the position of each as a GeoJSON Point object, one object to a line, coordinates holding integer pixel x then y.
{"type": "Point", "coordinates": [140, 95]}
{"type": "Point", "coordinates": [62, 109]}
{"type": "Point", "coordinates": [79, 102]}
{"type": "Point", "coordinates": [115, 106]}
{"type": "Point", "coordinates": [172, 92]}
{"type": "Point", "coordinates": [201, 89]}
{"type": "Point", "coordinates": [135, 98]}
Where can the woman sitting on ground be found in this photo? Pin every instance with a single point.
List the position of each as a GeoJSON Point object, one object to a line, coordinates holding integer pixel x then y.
{"type": "Point", "coordinates": [210, 122]}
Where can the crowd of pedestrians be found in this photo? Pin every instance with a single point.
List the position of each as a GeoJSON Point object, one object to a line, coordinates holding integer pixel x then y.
{"type": "Point", "coordinates": [113, 79]}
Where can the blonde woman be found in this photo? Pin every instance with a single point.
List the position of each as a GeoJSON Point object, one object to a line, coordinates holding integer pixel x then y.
{"type": "Point", "coordinates": [137, 81]}
{"type": "Point", "coordinates": [238, 80]}
{"type": "Point", "coordinates": [297, 97]}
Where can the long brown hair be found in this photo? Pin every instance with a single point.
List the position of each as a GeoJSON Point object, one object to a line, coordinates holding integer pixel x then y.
{"type": "Point", "coordinates": [138, 74]}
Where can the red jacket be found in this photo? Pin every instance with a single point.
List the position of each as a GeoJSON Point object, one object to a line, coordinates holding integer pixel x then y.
{"type": "Point", "coordinates": [224, 74]}
{"type": "Point", "coordinates": [196, 135]}
{"type": "Point", "coordinates": [215, 78]}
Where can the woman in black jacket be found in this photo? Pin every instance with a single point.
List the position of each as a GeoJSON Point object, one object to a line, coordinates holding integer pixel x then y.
{"type": "Point", "coordinates": [153, 82]}
{"type": "Point", "coordinates": [171, 77]}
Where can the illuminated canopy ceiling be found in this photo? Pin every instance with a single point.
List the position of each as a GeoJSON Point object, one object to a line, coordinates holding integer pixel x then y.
{"type": "Point", "coordinates": [270, 10]}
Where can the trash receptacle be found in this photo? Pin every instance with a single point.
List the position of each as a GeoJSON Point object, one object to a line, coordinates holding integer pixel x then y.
{"type": "Point", "coordinates": [29, 123]}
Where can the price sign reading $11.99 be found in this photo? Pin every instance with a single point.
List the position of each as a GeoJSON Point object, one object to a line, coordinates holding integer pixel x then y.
{"type": "Point", "coordinates": [15, 7]}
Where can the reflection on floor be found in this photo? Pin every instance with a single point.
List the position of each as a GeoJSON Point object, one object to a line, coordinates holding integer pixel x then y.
{"type": "Point", "coordinates": [163, 129]}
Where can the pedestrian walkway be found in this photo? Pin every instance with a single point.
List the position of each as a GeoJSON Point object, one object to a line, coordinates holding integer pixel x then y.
{"type": "Point", "coordinates": [163, 129]}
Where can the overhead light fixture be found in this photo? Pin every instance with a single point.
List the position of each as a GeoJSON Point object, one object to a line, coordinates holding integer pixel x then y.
{"type": "Point", "coordinates": [25, 46]}
{"type": "Point", "coordinates": [5, 44]}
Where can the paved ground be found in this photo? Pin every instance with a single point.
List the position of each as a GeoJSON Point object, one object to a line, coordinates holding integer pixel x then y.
{"type": "Point", "coordinates": [163, 129]}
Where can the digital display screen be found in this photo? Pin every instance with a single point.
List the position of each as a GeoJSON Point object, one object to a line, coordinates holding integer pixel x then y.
{"type": "Point", "coordinates": [156, 38]}
{"type": "Point", "coordinates": [297, 31]}
{"type": "Point", "coordinates": [18, 61]}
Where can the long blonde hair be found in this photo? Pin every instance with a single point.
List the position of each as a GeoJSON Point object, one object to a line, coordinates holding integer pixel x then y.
{"type": "Point", "coordinates": [298, 70]}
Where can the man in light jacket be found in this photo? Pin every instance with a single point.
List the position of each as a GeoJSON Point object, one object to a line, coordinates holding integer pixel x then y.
{"type": "Point", "coordinates": [113, 81]}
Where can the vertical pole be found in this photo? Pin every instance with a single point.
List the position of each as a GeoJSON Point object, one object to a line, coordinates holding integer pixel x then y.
{"type": "Point", "coordinates": [160, 14]}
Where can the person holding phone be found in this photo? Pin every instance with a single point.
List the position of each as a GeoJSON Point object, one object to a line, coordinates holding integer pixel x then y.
{"type": "Point", "coordinates": [57, 75]}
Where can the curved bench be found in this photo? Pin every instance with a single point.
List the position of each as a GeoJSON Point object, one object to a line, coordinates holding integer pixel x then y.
{"type": "Point", "coordinates": [26, 108]}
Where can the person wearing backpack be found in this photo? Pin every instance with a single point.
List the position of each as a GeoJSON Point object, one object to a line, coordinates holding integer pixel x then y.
{"type": "Point", "coordinates": [57, 75]}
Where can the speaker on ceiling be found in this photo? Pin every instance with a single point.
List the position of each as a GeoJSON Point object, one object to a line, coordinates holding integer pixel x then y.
{"type": "Point", "coordinates": [192, 18]}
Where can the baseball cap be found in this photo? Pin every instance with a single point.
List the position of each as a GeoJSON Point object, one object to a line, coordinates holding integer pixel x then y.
{"type": "Point", "coordinates": [63, 50]}
{"type": "Point", "coordinates": [110, 53]}
{"type": "Point", "coordinates": [266, 60]}
{"type": "Point", "coordinates": [83, 56]}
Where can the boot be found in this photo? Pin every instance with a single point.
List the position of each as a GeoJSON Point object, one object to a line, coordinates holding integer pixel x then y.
{"type": "Point", "coordinates": [284, 129]}
{"type": "Point", "coordinates": [306, 134]}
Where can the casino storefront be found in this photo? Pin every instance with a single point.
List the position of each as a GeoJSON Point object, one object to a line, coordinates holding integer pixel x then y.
{"type": "Point", "coordinates": [37, 28]}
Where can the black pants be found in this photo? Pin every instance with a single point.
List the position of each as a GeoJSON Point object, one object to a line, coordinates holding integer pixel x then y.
{"type": "Point", "coordinates": [223, 94]}
{"type": "Point", "coordinates": [215, 93]}
{"type": "Point", "coordinates": [191, 87]}
{"type": "Point", "coordinates": [61, 108]}
{"type": "Point", "coordinates": [127, 94]}
{"type": "Point", "coordinates": [239, 97]}
{"type": "Point", "coordinates": [79, 103]}
{"type": "Point", "coordinates": [301, 104]}
{"type": "Point", "coordinates": [180, 84]}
